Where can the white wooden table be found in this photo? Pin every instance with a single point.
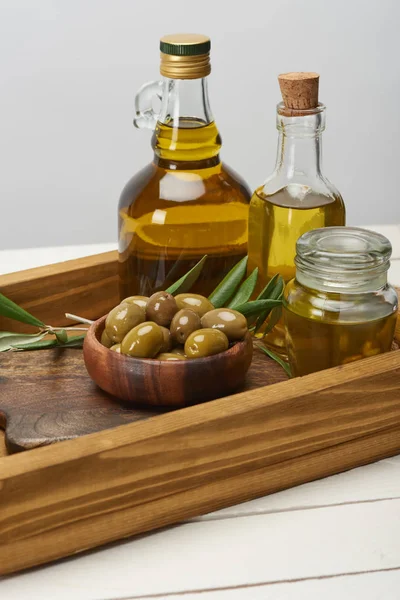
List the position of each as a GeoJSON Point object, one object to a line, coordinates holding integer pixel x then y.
{"type": "Point", "coordinates": [333, 539]}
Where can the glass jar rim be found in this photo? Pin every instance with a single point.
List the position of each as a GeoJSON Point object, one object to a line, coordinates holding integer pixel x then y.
{"type": "Point", "coordinates": [349, 258]}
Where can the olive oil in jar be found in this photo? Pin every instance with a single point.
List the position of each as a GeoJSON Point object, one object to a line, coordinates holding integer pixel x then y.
{"type": "Point", "coordinates": [315, 345]}
{"type": "Point", "coordinates": [297, 197]}
{"type": "Point", "coordinates": [186, 203]}
{"type": "Point", "coordinates": [339, 308]}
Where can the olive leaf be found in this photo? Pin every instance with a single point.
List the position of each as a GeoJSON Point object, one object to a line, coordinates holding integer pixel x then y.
{"type": "Point", "coordinates": [249, 309]}
{"type": "Point", "coordinates": [225, 290]}
{"type": "Point", "coordinates": [273, 320]}
{"type": "Point", "coordinates": [8, 340]}
{"type": "Point", "coordinates": [61, 335]}
{"type": "Point", "coordinates": [186, 281]}
{"type": "Point", "coordinates": [276, 358]}
{"type": "Point", "coordinates": [245, 291]}
{"type": "Point", "coordinates": [274, 290]}
{"type": "Point", "coordinates": [4, 334]}
{"type": "Point", "coordinates": [73, 342]}
{"type": "Point", "coordinates": [9, 309]}
{"type": "Point", "coordinates": [266, 292]}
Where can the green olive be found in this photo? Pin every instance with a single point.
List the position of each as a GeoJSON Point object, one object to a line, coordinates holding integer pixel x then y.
{"type": "Point", "coordinates": [167, 342]}
{"type": "Point", "coordinates": [116, 348]}
{"type": "Point", "coordinates": [183, 324]}
{"type": "Point", "coordinates": [205, 342]}
{"type": "Point", "coordinates": [139, 300]}
{"type": "Point", "coordinates": [231, 322]}
{"type": "Point", "coordinates": [199, 304]}
{"type": "Point", "coordinates": [170, 356]}
{"type": "Point", "coordinates": [143, 341]}
{"type": "Point", "coordinates": [122, 319]}
{"type": "Point", "coordinates": [105, 340]}
{"type": "Point", "coordinates": [161, 307]}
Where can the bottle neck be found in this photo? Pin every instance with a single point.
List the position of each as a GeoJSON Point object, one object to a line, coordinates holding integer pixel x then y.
{"type": "Point", "coordinates": [299, 156]}
{"type": "Point", "coordinates": [185, 130]}
{"type": "Point", "coordinates": [185, 103]}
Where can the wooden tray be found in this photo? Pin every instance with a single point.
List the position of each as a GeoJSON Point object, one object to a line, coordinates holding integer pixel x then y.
{"type": "Point", "coordinates": [52, 399]}
{"type": "Point", "coordinates": [78, 494]}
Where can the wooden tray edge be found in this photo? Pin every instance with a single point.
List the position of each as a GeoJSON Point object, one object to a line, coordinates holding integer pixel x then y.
{"type": "Point", "coordinates": [62, 267]}
{"type": "Point", "coordinates": [141, 476]}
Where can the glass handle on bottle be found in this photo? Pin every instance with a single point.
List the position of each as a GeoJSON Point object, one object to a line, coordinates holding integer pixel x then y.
{"type": "Point", "coordinates": [145, 115]}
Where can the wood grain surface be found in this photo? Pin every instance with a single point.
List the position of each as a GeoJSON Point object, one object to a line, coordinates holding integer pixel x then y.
{"type": "Point", "coordinates": [3, 449]}
{"type": "Point", "coordinates": [148, 474]}
{"type": "Point", "coordinates": [47, 396]}
{"type": "Point", "coordinates": [86, 286]}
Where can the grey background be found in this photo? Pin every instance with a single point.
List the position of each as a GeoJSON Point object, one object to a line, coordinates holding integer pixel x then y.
{"type": "Point", "coordinates": [69, 70]}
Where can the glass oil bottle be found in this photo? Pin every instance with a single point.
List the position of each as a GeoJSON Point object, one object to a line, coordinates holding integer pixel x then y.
{"type": "Point", "coordinates": [340, 307]}
{"type": "Point", "coordinates": [297, 197]}
{"type": "Point", "coordinates": [186, 203]}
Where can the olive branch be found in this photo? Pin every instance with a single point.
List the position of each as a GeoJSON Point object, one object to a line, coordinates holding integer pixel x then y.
{"type": "Point", "coordinates": [234, 291]}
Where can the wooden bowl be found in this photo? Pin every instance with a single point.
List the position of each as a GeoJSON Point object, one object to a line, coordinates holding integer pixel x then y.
{"type": "Point", "coordinates": [150, 382]}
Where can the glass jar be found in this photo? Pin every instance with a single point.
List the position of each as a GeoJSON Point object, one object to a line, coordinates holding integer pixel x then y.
{"type": "Point", "coordinates": [340, 307]}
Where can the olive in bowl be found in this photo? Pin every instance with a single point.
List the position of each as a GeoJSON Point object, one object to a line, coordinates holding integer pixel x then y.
{"type": "Point", "coordinates": [185, 321]}
{"type": "Point", "coordinates": [139, 300]}
{"type": "Point", "coordinates": [230, 321]}
{"type": "Point", "coordinates": [167, 340]}
{"type": "Point", "coordinates": [195, 302]}
{"type": "Point", "coordinates": [161, 308]}
{"type": "Point", "coordinates": [205, 342]}
{"type": "Point", "coordinates": [121, 319]}
{"type": "Point", "coordinates": [174, 383]}
{"type": "Point", "coordinates": [143, 341]}
{"type": "Point", "coordinates": [170, 356]}
{"type": "Point", "coordinates": [106, 341]}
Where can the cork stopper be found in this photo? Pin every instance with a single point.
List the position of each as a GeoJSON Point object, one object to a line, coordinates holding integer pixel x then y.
{"type": "Point", "coordinates": [299, 90]}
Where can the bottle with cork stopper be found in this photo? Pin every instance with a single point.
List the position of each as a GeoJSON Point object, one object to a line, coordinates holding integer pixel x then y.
{"type": "Point", "coordinates": [296, 197]}
{"type": "Point", "coordinates": [186, 203]}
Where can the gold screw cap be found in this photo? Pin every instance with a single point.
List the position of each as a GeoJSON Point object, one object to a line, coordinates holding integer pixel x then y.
{"type": "Point", "coordinates": [185, 56]}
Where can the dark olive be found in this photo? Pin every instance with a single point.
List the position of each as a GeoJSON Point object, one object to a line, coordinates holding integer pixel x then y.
{"type": "Point", "coordinates": [139, 300]}
{"type": "Point", "coordinates": [183, 324]}
{"type": "Point", "coordinates": [170, 356]}
{"type": "Point", "coordinates": [143, 341]}
{"type": "Point", "coordinates": [116, 348]}
{"type": "Point", "coordinates": [199, 304]}
{"type": "Point", "coordinates": [205, 342]}
{"type": "Point", "coordinates": [122, 319]}
{"type": "Point", "coordinates": [161, 307]}
{"type": "Point", "coordinates": [231, 322]}
{"type": "Point", "coordinates": [105, 340]}
{"type": "Point", "coordinates": [167, 342]}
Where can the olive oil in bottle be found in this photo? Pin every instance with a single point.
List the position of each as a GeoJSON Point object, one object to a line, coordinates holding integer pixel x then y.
{"type": "Point", "coordinates": [297, 197]}
{"type": "Point", "coordinates": [186, 203]}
